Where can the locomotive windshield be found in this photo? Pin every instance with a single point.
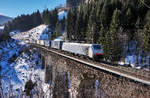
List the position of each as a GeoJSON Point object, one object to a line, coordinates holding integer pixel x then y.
{"type": "Point", "coordinates": [97, 47]}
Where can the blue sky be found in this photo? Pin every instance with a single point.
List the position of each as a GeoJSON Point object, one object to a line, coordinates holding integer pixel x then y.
{"type": "Point", "coordinates": [14, 8]}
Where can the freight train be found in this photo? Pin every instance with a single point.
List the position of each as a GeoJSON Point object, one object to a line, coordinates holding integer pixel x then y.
{"type": "Point", "coordinates": [90, 50]}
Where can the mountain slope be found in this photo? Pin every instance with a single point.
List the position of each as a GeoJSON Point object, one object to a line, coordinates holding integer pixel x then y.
{"type": "Point", "coordinates": [4, 19]}
{"type": "Point", "coordinates": [19, 63]}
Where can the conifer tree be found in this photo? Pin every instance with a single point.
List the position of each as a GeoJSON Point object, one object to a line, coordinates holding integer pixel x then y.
{"type": "Point", "coordinates": [45, 16]}
{"type": "Point", "coordinates": [104, 41]}
{"type": "Point", "coordinates": [80, 26]}
{"type": "Point", "coordinates": [53, 18]}
{"type": "Point", "coordinates": [137, 41]}
{"type": "Point", "coordinates": [63, 23]}
{"type": "Point", "coordinates": [138, 33]}
{"type": "Point", "coordinates": [86, 14]}
{"type": "Point", "coordinates": [58, 29]}
{"type": "Point", "coordinates": [128, 19]}
{"type": "Point", "coordinates": [37, 20]}
{"type": "Point", "coordinates": [114, 46]}
{"type": "Point", "coordinates": [92, 34]}
{"type": "Point", "coordinates": [89, 35]}
{"type": "Point", "coordinates": [73, 23]}
{"type": "Point", "coordinates": [137, 25]}
{"type": "Point", "coordinates": [5, 34]}
{"type": "Point", "coordinates": [98, 18]}
{"type": "Point", "coordinates": [106, 13]}
{"type": "Point", "coordinates": [69, 26]}
{"type": "Point", "coordinates": [102, 35]}
{"type": "Point", "coordinates": [146, 34]}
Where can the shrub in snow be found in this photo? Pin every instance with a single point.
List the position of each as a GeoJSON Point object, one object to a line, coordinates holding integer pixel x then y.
{"type": "Point", "coordinates": [28, 87]}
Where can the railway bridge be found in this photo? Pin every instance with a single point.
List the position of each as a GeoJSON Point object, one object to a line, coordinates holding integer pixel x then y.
{"type": "Point", "coordinates": [72, 76]}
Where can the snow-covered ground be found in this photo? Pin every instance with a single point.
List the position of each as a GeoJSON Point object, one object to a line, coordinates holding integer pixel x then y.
{"type": "Point", "coordinates": [37, 33]}
{"type": "Point", "coordinates": [18, 67]}
{"type": "Point", "coordinates": [1, 27]}
{"type": "Point", "coordinates": [61, 38]}
{"type": "Point", "coordinates": [135, 59]}
{"type": "Point", "coordinates": [62, 14]}
{"type": "Point", "coordinates": [40, 32]}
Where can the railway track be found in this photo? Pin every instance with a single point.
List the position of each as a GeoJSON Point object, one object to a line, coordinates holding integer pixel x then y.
{"type": "Point", "coordinates": [130, 73]}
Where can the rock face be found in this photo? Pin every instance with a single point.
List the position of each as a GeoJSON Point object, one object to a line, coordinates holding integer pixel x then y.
{"type": "Point", "coordinates": [71, 79]}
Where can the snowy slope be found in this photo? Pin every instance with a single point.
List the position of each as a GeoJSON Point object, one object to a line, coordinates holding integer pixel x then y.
{"type": "Point", "coordinates": [1, 27]}
{"type": "Point", "coordinates": [37, 33]}
{"type": "Point", "coordinates": [8, 50]}
{"type": "Point", "coordinates": [62, 14]}
{"type": "Point", "coordinates": [19, 66]}
{"type": "Point", "coordinates": [15, 74]}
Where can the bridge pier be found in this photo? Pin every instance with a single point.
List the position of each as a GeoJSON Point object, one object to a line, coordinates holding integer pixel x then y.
{"type": "Point", "coordinates": [48, 70]}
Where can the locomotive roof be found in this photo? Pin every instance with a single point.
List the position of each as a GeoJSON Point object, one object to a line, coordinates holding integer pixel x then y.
{"type": "Point", "coordinates": [85, 44]}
